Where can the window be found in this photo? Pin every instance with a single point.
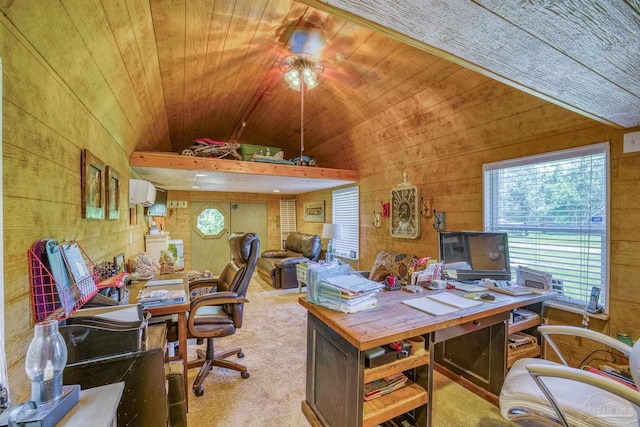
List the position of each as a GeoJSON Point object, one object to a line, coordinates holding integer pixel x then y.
{"type": "Point", "coordinates": [287, 219]}
{"type": "Point", "coordinates": [346, 211]}
{"type": "Point", "coordinates": [210, 222]}
{"type": "Point", "coordinates": [555, 209]}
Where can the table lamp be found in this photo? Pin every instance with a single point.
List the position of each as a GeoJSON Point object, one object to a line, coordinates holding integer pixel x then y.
{"type": "Point", "coordinates": [331, 232]}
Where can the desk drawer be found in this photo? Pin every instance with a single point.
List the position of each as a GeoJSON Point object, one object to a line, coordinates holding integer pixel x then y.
{"type": "Point", "coordinates": [474, 325]}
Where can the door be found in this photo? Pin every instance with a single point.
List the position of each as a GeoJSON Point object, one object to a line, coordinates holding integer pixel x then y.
{"type": "Point", "coordinates": [211, 226]}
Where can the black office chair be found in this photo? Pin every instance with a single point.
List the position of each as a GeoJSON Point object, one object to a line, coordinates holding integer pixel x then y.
{"type": "Point", "coordinates": [219, 313]}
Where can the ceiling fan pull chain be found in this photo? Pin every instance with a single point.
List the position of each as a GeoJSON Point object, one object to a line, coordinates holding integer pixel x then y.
{"type": "Point", "coordinates": [302, 86]}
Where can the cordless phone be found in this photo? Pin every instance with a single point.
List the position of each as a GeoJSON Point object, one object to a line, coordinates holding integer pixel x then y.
{"type": "Point", "coordinates": [592, 306]}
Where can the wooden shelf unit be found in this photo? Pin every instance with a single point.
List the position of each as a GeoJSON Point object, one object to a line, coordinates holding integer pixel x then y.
{"type": "Point", "coordinates": [399, 365]}
{"type": "Point", "coordinates": [525, 324]}
{"type": "Point", "coordinates": [398, 402]}
{"type": "Point", "coordinates": [391, 405]}
{"type": "Point", "coordinates": [525, 350]}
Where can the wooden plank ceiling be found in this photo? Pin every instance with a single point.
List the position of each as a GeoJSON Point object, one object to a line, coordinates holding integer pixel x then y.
{"type": "Point", "coordinates": [220, 61]}
{"type": "Point", "coordinates": [160, 73]}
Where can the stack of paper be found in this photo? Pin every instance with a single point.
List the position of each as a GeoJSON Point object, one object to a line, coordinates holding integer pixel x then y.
{"type": "Point", "coordinates": [155, 297]}
{"type": "Point", "coordinates": [441, 303]}
{"type": "Point", "coordinates": [348, 293]}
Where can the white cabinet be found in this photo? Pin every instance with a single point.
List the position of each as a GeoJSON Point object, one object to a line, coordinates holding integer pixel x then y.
{"type": "Point", "coordinates": [156, 243]}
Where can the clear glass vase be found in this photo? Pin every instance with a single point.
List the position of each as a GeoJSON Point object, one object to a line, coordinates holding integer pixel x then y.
{"type": "Point", "coordinates": [45, 362]}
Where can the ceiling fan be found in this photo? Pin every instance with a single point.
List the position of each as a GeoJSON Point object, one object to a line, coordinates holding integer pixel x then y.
{"type": "Point", "coordinates": [302, 52]}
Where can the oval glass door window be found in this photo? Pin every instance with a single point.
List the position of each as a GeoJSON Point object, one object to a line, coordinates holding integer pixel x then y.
{"type": "Point", "coordinates": [211, 222]}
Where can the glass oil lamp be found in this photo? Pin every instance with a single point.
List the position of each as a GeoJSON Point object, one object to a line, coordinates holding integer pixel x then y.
{"type": "Point", "coordinates": [45, 362]}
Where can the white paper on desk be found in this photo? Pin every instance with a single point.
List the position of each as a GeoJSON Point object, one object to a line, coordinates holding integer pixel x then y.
{"type": "Point", "coordinates": [467, 287]}
{"type": "Point", "coordinates": [430, 306]}
{"type": "Point", "coordinates": [164, 282]}
{"type": "Point", "coordinates": [454, 300]}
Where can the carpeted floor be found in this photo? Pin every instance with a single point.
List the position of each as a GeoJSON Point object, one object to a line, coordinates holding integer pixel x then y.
{"type": "Point", "coordinates": [273, 338]}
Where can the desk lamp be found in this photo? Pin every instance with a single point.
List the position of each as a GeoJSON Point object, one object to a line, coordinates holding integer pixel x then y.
{"type": "Point", "coordinates": [331, 232]}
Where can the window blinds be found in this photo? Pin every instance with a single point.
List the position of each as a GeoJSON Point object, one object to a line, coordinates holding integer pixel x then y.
{"type": "Point", "coordinates": [346, 211]}
{"type": "Point", "coordinates": [287, 219]}
{"type": "Point", "coordinates": [554, 208]}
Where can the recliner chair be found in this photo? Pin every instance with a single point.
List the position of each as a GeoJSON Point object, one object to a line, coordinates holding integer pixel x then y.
{"type": "Point", "coordinates": [277, 267]}
{"type": "Point", "coordinates": [219, 313]}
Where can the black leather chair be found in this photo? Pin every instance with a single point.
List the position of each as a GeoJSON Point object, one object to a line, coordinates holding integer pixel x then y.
{"type": "Point", "coordinates": [278, 267]}
{"type": "Point", "coordinates": [219, 313]}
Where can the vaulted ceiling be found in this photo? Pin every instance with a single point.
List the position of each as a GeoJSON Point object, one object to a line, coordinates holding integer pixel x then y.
{"type": "Point", "coordinates": [158, 74]}
{"type": "Point", "coordinates": [221, 78]}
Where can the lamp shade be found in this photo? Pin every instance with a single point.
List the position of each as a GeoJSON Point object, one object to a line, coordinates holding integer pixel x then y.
{"type": "Point", "coordinates": [332, 231]}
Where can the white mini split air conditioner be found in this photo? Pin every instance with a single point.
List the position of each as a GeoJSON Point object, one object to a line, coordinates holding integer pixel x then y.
{"type": "Point", "coordinates": [141, 192]}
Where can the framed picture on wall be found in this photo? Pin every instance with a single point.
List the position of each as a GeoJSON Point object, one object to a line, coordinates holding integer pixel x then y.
{"type": "Point", "coordinates": [133, 215]}
{"type": "Point", "coordinates": [92, 175]}
{"type": "Point", "coordinates": [405, 211]}
{"type": "Point", "coordinates": [113, 193]}
{"type": "Point", "coordinates": [314, 211]}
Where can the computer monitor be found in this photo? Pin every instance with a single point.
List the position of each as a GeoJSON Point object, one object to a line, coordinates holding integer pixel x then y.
{"type": "Point", "coordinates": [475, 255]}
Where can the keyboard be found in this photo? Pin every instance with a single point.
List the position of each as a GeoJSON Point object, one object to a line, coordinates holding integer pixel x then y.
{"type": "Point", "coordinates": [513, 290]}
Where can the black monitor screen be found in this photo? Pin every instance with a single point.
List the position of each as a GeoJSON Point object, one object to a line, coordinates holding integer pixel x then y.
{"type": "Point", "coordinates": [474, 255]}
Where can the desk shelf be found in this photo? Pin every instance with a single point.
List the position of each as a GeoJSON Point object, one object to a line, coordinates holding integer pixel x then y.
{"type": "Point", "coordinates": [393, 404]}
{"type": "Point", "coordinates": [525, 324]}
{"type": "Point", "coordinates": [399, 365]}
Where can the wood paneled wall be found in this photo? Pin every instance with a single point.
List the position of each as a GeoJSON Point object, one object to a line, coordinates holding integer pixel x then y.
{"type": "Point", "coordinates": [49, 115]}
{"type": "Point", "coordinates": [178, 220]}
{"type": "Point", "coordinates": [442, 136]}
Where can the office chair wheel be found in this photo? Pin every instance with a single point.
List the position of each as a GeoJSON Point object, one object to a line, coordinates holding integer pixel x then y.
{"type": "Point", "coordinates": [199, 391]}
{"type": "Point", "coordinates": [240, 355]}
{"type": "Point", "coordinates": [244, 375]}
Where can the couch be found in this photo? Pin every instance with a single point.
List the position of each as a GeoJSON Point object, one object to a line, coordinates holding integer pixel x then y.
{"type": "Point", "coordinates": [278, 266]}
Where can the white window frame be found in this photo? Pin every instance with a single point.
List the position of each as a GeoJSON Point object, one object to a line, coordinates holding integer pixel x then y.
{"type": "Point", "coordinates": [491, 222]}
{"type": "Point", "coordinates": [346, 211]}
{"type": "Point", "coordinates": [287, 219]}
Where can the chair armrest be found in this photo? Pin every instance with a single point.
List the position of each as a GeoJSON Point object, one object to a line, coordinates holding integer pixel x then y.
{"type": "Point", "coordinates": [205, 282]}
{"type": "Point", "coordinates": [537, 371]}
{"type": "Point", "coordinates": [216, 298]}
{"type": "Point", "coordinates": [292, 262]}
{"type": "Point", "coordinates": [274, 253]}
{"type": "Point", "coordinates": [547, 330]}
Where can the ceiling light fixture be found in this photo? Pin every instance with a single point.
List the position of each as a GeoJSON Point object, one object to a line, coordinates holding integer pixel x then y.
{"type": "Point", "coordinates": [301, 73]}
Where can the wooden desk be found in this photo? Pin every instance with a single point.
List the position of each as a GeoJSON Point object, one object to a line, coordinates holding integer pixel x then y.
{"type": "Point", "coordinates": [98, 404]}
{"type": "Point", "coordinates": [336, 343]}
{"type": "Point", "coordinates": [181, 310]}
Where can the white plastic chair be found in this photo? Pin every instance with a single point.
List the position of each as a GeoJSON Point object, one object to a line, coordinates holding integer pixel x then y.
{"type": "Point", "coordinates": [563, 395]}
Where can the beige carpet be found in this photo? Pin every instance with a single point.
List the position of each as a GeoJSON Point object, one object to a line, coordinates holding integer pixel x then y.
{"type": "Point", "coordinates": [273, 339]}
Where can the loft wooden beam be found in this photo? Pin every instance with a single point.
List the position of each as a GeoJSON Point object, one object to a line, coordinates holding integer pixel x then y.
{"type": "Point", "coordinates": [175, 161]}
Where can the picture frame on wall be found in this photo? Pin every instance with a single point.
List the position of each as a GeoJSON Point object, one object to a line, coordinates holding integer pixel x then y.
{"type": "Point", "coordinates": [133, 215]}
{"type": "Point", "coordinates": [112, 193]}
{"type": "Point", "coordinates": [92, 175]}
{"type": "Point", "coordinates": [405, 211]}
{"type": "Point", "coordinates": [314, 211]}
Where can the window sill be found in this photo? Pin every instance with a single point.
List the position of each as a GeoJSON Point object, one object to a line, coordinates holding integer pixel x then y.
{"type": "Point", "coordinates": [574, 309]}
